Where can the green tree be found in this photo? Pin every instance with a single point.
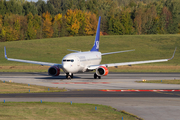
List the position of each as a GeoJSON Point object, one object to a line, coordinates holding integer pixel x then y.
{"type": "Point", "coordinates": [41, 7]}
{"type": "Point", "coordinates": [126, 21]}
{"type": "Point", "coordinates": [2, 8]}
{"type": "Point", "coordinates": [116, 27]}
{"type": "Point", "coordinates": [37, 23]}
{"type": "Point", "coordinates": [14, 7]}
{"type": "Point", "coordinates": [174, 9]}
{"type": "Point", "coordinates": [2, 31]}
{"type": "Point", "coordinates": [31, 32]}
{"type": "Point", "coordinates": [29, 7]}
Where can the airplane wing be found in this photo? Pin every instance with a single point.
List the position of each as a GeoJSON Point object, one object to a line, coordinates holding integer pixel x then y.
{"type": "Point", "coordinates": [92, 67]}
{"type": "Point", "coordinates": [116, 52]}
{"type": "Point", "coordinates": [32, 62]}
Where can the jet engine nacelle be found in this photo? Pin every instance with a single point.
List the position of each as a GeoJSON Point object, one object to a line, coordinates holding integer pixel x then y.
{"type": "Point", "coordinates": [54, 71]}
{"type": "Point", "coordinates": [102, 71]}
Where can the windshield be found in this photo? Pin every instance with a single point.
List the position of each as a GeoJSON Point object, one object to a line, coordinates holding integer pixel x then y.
{"type": "Point", "coordinates": [68, 60]}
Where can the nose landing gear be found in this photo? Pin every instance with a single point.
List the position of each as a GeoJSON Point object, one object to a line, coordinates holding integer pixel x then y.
{"type": "Point", "coordinates": [69, 75]}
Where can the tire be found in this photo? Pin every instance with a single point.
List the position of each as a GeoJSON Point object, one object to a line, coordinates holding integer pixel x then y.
{"type": "Point", "coordinates": [71, 76]}
{"type": "Point", "coordinates": [67, 74]}
{"type": "Point", "coordinates": [95, 76]}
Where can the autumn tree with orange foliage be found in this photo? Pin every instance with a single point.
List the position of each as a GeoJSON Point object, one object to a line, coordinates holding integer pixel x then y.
{"type": "Point", "coordinates": [47, 25]}
{"type": "Point", "coordinates": [72, 22]}
{"type": "Point", "coordinates": [90, 23]}
{"type": "Point", "coordinates": [12, 27]}
{"type": "Point", "coordinates": [138, 21]}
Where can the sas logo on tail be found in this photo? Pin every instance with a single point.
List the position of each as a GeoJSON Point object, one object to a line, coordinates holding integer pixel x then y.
{"type": "Point", "coordinates": [97, 44]}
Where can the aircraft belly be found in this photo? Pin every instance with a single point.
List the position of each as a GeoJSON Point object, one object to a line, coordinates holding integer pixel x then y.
{"type": "Point", "coordinates": [88, 63]}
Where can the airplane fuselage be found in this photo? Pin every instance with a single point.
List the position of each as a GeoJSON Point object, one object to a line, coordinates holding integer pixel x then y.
{"type": "Point", "coordinates": [78, 62]}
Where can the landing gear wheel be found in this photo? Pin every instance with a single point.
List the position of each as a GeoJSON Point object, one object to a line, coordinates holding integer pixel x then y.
{"type": "Point", "coordinates": [71, 76]}
{"type": "Point", "coordinates": [68, 76]}
{"type": "Point", "coordinates": [95, 76]}
{"type": "Point", "coordinates": [99, 77]}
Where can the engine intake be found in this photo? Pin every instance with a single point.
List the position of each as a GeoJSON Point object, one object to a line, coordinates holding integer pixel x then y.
{"type": "Point", "coordinates": [54, 71]}
{"type": "Point", "coordinates": [102, 71]}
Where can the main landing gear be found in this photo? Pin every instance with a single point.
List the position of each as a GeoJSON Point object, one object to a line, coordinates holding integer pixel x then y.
{"type": "Point", "coordinates": [69, 75]}
{"type": "Point", "coordinates": [96, 76]}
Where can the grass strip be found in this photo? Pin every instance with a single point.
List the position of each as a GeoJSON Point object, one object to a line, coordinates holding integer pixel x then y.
{"type": "Point", "coordinates": [138, 118]}
{"type": "Point", "coordinates": [147, 47]}
{"type": "Point", "coordinates": [161, 81]}
{"type": "Point", "coordinates": [10, 87]}
{"type": "Point", "coordinates": [60, 111]}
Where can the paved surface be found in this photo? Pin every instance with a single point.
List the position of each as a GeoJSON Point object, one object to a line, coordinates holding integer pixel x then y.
{"type": "Point", "coordinates": [86, 81]}
{"type": "Point", "coordinates": [147, 105]}
{"type": "Point", "coordinates": [92, 93]}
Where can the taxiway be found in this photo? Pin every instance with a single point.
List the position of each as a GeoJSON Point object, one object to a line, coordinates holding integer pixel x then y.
{"type": "Point", "coordinates": [84, 89]}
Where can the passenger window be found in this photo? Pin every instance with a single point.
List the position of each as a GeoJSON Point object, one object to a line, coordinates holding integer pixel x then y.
{"type": "Point", "coordinates": [68, 60]}
{"type": "Point", "coordinates": [72, 60]}
{"type": "Point", "coordinates": [64, 60]}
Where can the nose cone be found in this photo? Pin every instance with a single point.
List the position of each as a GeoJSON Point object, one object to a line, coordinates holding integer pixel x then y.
{"type": "Point", "coordinates": [66, 67]}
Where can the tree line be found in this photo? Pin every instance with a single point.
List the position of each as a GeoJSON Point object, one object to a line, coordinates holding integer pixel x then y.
{"type": "Point", "coordinates": [23, 20]}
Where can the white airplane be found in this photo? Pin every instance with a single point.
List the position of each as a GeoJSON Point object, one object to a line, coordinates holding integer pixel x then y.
{"type": "Point", "coordinates": [84, 61]}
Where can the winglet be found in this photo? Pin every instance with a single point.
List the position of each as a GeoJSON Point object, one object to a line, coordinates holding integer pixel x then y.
{"type": "Point", "coordinates": [173, 54]}
{"type": "Point", "coordinates": [5, 52]}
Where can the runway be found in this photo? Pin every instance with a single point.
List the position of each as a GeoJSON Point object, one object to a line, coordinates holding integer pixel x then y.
{"type": "Point", "coordinates": [86, 82]}
{"type": "Point", "coordinates": [84, 89]}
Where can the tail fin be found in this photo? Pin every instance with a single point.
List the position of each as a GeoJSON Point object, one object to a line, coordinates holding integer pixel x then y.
{"type": "Point", "coordinates": [96, 42]}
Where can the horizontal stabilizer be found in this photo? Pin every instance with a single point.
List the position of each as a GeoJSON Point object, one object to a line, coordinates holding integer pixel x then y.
{"type": "Point", "coordinates": [116, 52]}
{"type": "Point", "coordinates": [73, 50]}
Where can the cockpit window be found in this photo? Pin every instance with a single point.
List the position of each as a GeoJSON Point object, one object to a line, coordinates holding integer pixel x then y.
{"type": "Point", "coordinates": [68, 60]}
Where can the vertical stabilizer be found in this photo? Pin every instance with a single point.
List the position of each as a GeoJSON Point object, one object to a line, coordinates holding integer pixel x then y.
{"type": "Point", "coordinates": [96, 42]}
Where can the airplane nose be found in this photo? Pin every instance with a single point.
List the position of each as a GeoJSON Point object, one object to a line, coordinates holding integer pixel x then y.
{"type": "Point", "coordinates": [66, 67]}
